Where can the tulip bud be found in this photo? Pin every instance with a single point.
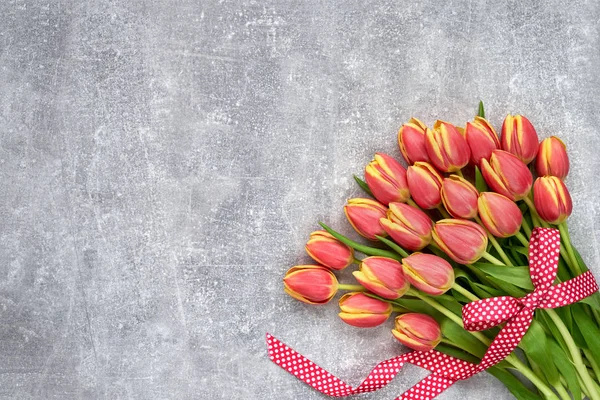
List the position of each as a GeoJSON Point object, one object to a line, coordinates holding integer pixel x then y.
{"type": "Point", "coordinates": [382, 276]}
{"type": "Point", "coordinates": [500, 215]}
{"type": "Point", "coordinates": [459, 197]}
{"type": "Point", "coordinates": [552, 199]}
{"type": "Point", "coordinates": [424, 183]}
{"type": "Point", "coordinates": [328, 251]}
{"type": "Point", "coordinates": [363, 311]}
{"type": "Point", "coordinates": [507, 175]}
{"type": "Point", "coordinates": [387, 179]}
{"type": "Point", "coordinates": [408, 226]}
{"type": "Point", "coordinates": [552, 158]}
{"type": "Point", "coordinates": [411, 139]}
{"type": "Point", "coordinates": [312, 284]}
{"type": "Point", "coordinates": [364, 216]}
{"type": "Point", "coordinates": [446, 147]}
{"type": "Point", "coordinates": [418, 331]}
{"type": "Point", "coordinates": [519, 138]}
{"type": "Point", "coordinates": [482, 139]}
{"type": "Point", "coordinates": [462, 240]}
{"type": "Point", "coordinates": [428, 273]}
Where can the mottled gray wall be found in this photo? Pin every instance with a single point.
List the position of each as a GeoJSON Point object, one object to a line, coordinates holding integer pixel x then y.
{"type": "Point", "coordinates": [163, 162]}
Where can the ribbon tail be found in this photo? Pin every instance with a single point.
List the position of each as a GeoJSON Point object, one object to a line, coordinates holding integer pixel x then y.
{"type": "Point", "coordinates": [428, 388]}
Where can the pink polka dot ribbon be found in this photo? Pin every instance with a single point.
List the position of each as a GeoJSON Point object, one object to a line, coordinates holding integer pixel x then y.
{"type": "Point", "coordinates": [544, 250]}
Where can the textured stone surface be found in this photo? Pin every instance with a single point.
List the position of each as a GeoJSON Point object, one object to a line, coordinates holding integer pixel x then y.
{"type": "Point", "coordinates": [163, 162]}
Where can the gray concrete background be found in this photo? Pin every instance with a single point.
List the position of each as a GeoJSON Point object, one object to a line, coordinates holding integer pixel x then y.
{"type": "Point", "coordinates": [162, 164]}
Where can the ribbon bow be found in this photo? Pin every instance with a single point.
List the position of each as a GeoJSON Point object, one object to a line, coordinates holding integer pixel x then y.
{"type": "Point", "coordinates": [544, 251]}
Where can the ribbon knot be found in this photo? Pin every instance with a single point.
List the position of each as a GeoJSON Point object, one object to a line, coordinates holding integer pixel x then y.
{"type": "Point", "coordinates": [544, 252]}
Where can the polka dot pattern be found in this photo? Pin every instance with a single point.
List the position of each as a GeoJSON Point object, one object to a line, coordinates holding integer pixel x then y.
{"type": "Point", "coordinates": [483, 314]}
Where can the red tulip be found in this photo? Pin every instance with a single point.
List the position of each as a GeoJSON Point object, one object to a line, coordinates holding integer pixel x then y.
{"type": "Point", "coordinates": [499, 214]}
{"type": "Point", "coordinates": [382, 276]}
{"type": "Point", "coordinates": [312, 284]}
{"type": "Point", "coordinates": [552, 199]}
{"type": "Point", "coordinates": [552, 158]}
{"type": "Point", "coordinates": [424, 183]}
{"type": "Point", "coordinates": [364, 216]}
{"type": "Point", "coordinates": [408, 226]}
{"type": "Point", "coordinates": [328, 251]}
{"type": "Point", "coordinates": [519, 138]}
{"type": "Point", "coordinates": [411, 139]}
{"type": "Point", "coordinates": [387, 179]}
{"type": "Point", "coordinates": [459, 197]}
{"type": "Point", "coordinates": [462, 240]}
{"type": "Point", "coordinates": [446, 147]}
{"type": "Point", "coordinates": [428, 273]}
{"type": "Point", "coordinates": [507, 175]}
{"type": "Point", "coordinates": [360, 310]}
{"type": "Point", "coordinates": [418, 331]}
{"type": "Point", "coordinates": [482, 139]}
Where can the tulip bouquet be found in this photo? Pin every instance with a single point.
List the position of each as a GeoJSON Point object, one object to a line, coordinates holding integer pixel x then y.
{"type": "Point", "coordinates": [453, 228]}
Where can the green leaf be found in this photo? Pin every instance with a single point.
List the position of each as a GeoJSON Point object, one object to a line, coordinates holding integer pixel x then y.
{"type": "Point", "coordinates": [566, 315]}
{"type": "Point", "coordinates": [518, 276]}
{"type": "Point", "coordinates": [481, 290]}
{"type": "Point", "coordinates": [415, 305]}
{"type": "Point", "coordinates": [513, 384]}
{"type": "Point", "coordinates": [363, 185]}
{"type": "Point", "coordinates": [462, 338]}
{"type": "Point", "coordinates": [456, 353]}
{"type": "Point", "coordinates": [480, 182]}
{"type": "Point", "coordinates": [566, 368]}
{"type": "Point", "coordinates": [584, 267]}
{"type": "Point", "coordinates": [450, 303]}
{"type": "Point", "coordinates": [481, 110]}
{"type": "Point", "coordinates": [593, 301]}
{"type": "Point", "coordinates": [588, 329]}
{"type": "Point", "coordinates": [555, 333]}
{"type": "Point", "coordinates": [535, 345]}
{"type": "Point", "coordinates": [392, 245]}
{"type": "Point", "coordinates": [370, 251]}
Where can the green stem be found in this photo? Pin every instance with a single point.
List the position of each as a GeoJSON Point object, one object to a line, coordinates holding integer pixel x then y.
{"type": "Point", "coordinates": [412, 203]}
{"type": "Point", "coordinates": [370, 251]}
{"type": "Point", "coordinates": [351, 288]}
{"type": "Point", "coordinates": [518, 364]}
{"type": "Point", "coordinates": [564, 235]}
{"type": "Point", "coordinates": [590, 357]}
{"type": "Point", "coordinates": [560, 389]}
{"type": "Point", "coordinates": [443, 211]}
{"type": "Point", "coordinates": [495, 243]}
{"type": "Point", "coordinates": [464, 292]}
{"type": "Point", "coordinates": [575, 354]}
{"type": "Point", "coordinates": [393, 245]}
{"type": "Point", "coordinates": [492, 259]}
{"type": "Point", "coordinates": [526, 227]}
{"type": "Point", "coordinates": [522, 239]}
{"type": "Point", "coordinates": [356, 261]}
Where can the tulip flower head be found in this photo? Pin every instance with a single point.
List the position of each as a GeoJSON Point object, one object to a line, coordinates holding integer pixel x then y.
{"type": "Point", "coordinates": [552, 158]}
{"type": "Point", "coordinates": [447, 148]}
{"type": "Point", "coordinates": [482, 139]}
{"type": "Point", "coordinates": [459, 197]}
{"type": "Point", "coordinates": [519, 138]}
{"type": "Point", "coordinates": [382, 276]}
{"type": "Point", "coordinates": [411, 139]}
{"type": "Point", "coordinates": [462, 240]}
{"type": "Point", "coordinates": [424, 183]}
{"type": "Point", "coordinates": [360, 310]}
{"type": "Point", "coordinates": [328, 251]}
{"type": "Point", "coordinates": [507, 175]}
{"type": "Point", "coordinates": [312, 284]}
{"type": "Point", "coordinates": [408, 226]}
{"type": "Point", "coordinates": [500, 215]}
{"type": "Point", "coordinates": [552, 199]}
{"type": "Point", "coordinates": [387, 179]}
{"type": "Point", "coordinates": [428, 273]}
{"type": "Point", "coordinates": [418, 331]}
{"type": "Point", "coordinates": [364, 216]}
